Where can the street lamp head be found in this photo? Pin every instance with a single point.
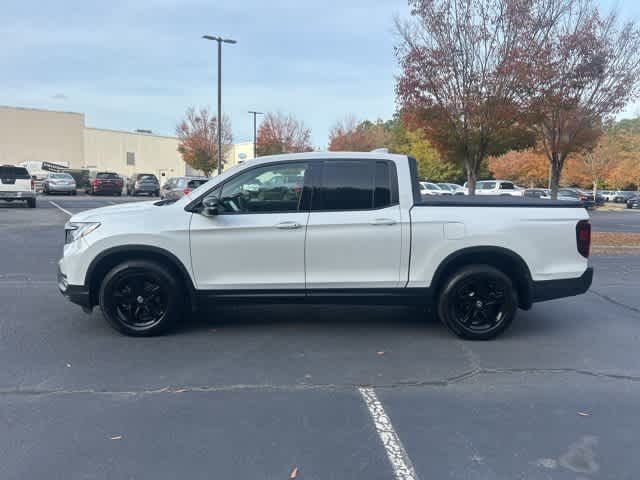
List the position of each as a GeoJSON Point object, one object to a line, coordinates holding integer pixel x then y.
{"type": "Point", "coordinates": [218, 39]}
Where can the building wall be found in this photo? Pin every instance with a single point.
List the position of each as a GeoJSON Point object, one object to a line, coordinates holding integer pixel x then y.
{"type": "Point", "coordinates": [30, 135]}
{"type": "Point", "coordinates": [239, 153]}
{"type": "Point", "coordinates": [108, 150]}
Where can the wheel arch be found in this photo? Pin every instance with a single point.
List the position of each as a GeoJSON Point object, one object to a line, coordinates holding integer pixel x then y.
{"type": "Point", "coordinates": [111, 257]}
{"type": "Point", "coordinates": [505, 260]}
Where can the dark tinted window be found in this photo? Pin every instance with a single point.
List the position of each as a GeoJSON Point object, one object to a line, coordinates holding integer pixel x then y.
{"type": "Point", "coordinates": [108, 176]}
{"type": "Point", "coordinates": [507, 186]}
{"type": "Point", "coordinates": [14, 173]}
{"type": "Point", "coordinates": [382, 194]}
{"type": "Point", "coordinates": [345, 185]}
{"type": "Point", "coordinates": [355, 185]}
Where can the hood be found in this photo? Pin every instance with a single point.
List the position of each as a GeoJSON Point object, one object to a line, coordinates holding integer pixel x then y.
{"type": "Point", "coordinates": [126, 209]}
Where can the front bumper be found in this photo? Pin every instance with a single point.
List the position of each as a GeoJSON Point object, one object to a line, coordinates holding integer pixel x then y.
{"type": "Point", "coordinates": [77, 294]}
{"type": "Point", "coordinates": [566, 287]}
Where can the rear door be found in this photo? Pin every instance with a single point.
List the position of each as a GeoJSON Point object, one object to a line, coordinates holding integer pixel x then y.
{"type": "Point", "coordinates": [354, 229]}
{"type": "Point", "coordinates": [14, 179]}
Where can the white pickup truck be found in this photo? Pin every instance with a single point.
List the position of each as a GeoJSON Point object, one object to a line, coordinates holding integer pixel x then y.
{"type": "Point", "coordinates": [349, 228]}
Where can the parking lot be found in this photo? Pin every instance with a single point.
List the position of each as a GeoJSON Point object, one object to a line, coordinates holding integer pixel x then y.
{"type": "Point", "coordinates": [256, 392]}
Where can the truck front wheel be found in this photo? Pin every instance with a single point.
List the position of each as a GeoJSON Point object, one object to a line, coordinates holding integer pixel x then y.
{"type": "Point", "coordinates": [141, 298]}
{"type": "Point", "coordinates": [477, 302]}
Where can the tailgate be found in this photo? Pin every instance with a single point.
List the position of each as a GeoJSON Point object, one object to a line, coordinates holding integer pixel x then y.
{"type": "Point", "coordinates": [14, 179]}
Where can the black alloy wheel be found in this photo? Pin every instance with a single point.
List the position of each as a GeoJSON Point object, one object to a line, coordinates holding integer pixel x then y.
{"type": "Point", "coordinates": [141, 298]}
{"type": "Point", "coordinates": [478, 302]}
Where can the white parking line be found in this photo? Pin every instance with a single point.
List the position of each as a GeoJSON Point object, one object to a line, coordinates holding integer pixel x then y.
{"type": "Point", "coordinates": [397, 455]}
{"type": "Point", "coordinates": [60, 208]}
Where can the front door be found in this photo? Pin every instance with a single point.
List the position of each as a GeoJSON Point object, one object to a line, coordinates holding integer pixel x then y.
{"type": "Point", "coordinates": [354, 229]}
{"type": "Point", "coordinates": [256, 242]}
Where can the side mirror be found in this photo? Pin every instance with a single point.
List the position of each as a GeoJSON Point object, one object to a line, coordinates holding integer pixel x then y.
{"type": "Point", "coordinates": [210, 206]}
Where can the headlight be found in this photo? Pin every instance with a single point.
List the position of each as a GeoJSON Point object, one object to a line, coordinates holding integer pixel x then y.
{"type": "Point", "coordinates": [75, 230]}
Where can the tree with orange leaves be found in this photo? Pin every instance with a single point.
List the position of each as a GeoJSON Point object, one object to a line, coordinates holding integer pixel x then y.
{"type": "Point", "coordinates": [528, 167]}
{"type": "Point", "coordinates": [280, 133]}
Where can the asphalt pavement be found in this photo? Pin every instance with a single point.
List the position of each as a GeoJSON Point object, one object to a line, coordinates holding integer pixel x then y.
{"type": "Point", "coordinates": [254, 392]}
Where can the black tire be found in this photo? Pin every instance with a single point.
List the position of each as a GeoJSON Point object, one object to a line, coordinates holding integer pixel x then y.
{"type": "Point", "coordinates": [45, 190]}
{"type": "Point", "coordinates": [141, 298]}
{"type": "Point", "coordinates": [477, 302]}
{"type": "Point", "coordinates": [156, 193]}
{"type": "Point", "coordinates": [74, 192]}
{"type": "Point", "coordinates": [31, 203]}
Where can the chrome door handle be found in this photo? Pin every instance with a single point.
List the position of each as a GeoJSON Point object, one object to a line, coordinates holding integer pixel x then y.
{"type": "Point", "coordinates": [383, 221]}
{"type": "Point", "coordinates": [288, 225]}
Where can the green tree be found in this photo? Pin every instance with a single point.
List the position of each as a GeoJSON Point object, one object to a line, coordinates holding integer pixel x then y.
{"type": "Point", "coordinates": [414, 143]}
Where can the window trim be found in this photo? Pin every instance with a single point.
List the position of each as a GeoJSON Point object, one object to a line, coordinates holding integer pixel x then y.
{"type": "Point", "coordinates": [314, 166]}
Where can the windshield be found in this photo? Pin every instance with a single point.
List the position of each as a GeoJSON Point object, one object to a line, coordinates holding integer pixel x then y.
{"type": "Point", "coordinates": [64, 176]}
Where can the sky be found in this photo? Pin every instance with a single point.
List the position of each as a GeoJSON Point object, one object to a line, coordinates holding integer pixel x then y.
{"type": "Point", "coordinates": [140, 64]}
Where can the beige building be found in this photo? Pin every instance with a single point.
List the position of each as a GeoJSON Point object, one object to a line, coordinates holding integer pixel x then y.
{"type": "Point", "coordinates": [33, 135]}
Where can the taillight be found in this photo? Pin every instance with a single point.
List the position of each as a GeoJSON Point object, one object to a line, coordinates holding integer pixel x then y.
{"type": "Point", "coordinates": [583, 237]}
{"type": "Point", "coordinates": [95, 182]}
{"type": "Point", "coordinates": [33, 184]}
{"type": "Point", "coordinates": [186, 191]}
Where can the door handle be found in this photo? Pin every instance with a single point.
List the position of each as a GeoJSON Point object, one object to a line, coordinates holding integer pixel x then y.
{"type": "Point", "coordinates": [288, 225]}
{"type": "Point", "coordinates": [383, 221]}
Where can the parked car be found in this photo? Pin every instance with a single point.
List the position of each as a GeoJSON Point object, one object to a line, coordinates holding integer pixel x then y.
{"type": "Point", "coordinates": [497, 187]}
{"type": "Point", "coordinates": [575, 194]}
{"type": "Point", "coordinates": [536, 193]}
{"type": "Point", "coordinates": [59, 182]}
{"type": "Point", "coordinates": [177, 187]}
{"type": "Point", "coordinates": [17, 185]}
{"type": "Point", "coordinates": [428, 188]}
{"type": "Point", "coordinates": [143, 183]}
{"type": "Point", "coordinates": [454, 188]}
{"type": "Point", "coordinates": [105, 182]}
{"type": "Point", "coordinates": [358, 231]}
{"type": "Point", "coordinates": [623, 196]}
{"type": "Point", "coordinates": [634, 202]}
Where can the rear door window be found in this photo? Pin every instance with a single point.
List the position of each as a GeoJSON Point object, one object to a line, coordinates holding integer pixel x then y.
{"type": "Point", "coordinates": [355, 185]}
{"type": "Point", "coordinates": [506, 186]}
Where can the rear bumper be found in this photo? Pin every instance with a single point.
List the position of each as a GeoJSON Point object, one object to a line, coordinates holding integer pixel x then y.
{"type": "Point", "coordinates": [566, 287]}
{"type": "Point", "coordinates": [23, 195]}
{"type": "Point", "coordinates": [77, 294]}
{"type": "Point", "coordinates": [61, 188]}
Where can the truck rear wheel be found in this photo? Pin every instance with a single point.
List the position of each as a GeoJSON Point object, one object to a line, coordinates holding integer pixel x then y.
{"type": "Point", "coordinates": [478, 302]}
{"type": "Point", "coordinates": [141, 298]}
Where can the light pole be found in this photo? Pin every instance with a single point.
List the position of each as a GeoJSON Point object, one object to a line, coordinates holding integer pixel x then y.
{"type": "Point", "coordinates": [220, 41]}
{"type": "Point", "coordinates": [255, 154]}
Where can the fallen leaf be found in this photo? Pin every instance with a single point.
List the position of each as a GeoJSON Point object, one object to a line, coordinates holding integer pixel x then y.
{"type": "Point", "coordinates": [583, 414]}
{"type": "Point", "coordinates": [116, 437]}
{"type": "Point", "coordinates": [294, 473]}
{"type": "Point", "coordinates": [68, 365]}
{"type": "Point", "coordinates": [380, 353]}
